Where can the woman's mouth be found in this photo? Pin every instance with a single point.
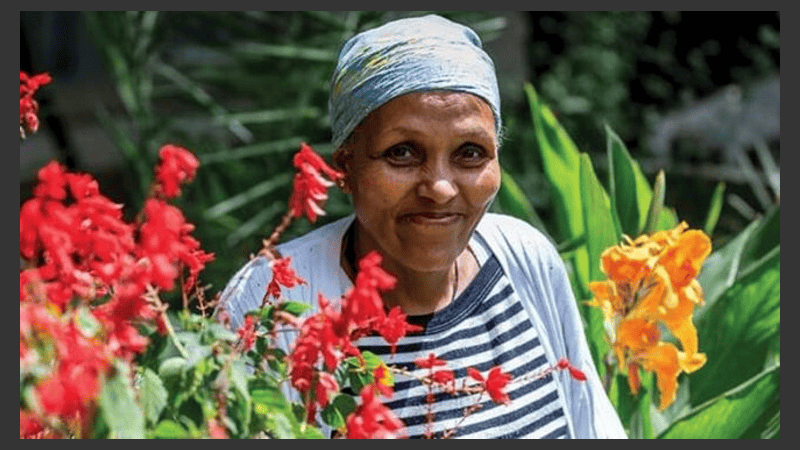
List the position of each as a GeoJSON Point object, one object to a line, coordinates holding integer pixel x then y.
{"type": "Point", "coordinates": [432, 218]}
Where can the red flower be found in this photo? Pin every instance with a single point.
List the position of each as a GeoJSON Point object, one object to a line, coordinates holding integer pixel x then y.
{"type": "Point", "coordinates": [394, 327]}
{"type": "Point", "coordinates": [177, 166]}
{"type": "Point", "coordinates": [216, 430]}
{"type": "Point", "coordinates": [372, 419]}
{"type": "Point", "coordinates": [363, 305]}
{"type": "Point", "coordinates": [494, 384]}
{"type": "Point", "coordinates": [310, 188]}
{"type": "Point", "coordinates": [247, 333]}
{"type": "Point", "coordinates": [430, 361]}
{"type": "Point", "coordinates": [282, 275]}
{"type": "Point", "coordinates": [574, 372]}
{"type": "Point", "coordinates": [28, 107]}
{"type": "Point", "coordinates": [444, 376]}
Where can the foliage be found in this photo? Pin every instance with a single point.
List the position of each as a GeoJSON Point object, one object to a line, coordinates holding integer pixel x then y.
{"type": "Point", "coordinates": [738, 324]}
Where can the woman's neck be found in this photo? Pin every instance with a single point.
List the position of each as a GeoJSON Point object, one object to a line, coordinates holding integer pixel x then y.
{"type": "Point", "coordinates": [417, 292]}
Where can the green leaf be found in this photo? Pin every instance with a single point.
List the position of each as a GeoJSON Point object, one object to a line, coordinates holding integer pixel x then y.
{"type": "Point", "coordinates": [337, 411]}
{"type": "Point", "coordinates": [171, 367]}
{"type": "Point", "coordinates": [630, 192]}
{"type": "Point", "coordinates": [721, 269]}
{"type": "Point", "coordinates": [513, 201]}
{"type": "Point", "coordinates": [601, 233]}
{"type": "Point", "coordinates": [117, 403]}
{"type": "Point", "coordinates": [259, 149]}
{"type": "Point", "coordinates": [221, 333]}
{"type": "Point", "coordinates": [250, 195]}
{"type": "Point", "coordinates": [599, 222]}
{"type": "Point", "coordinates": [764, 239]}
{"type": "Point", "coordinates": [153, 395]}
{"type": "Point", "coordinates": [239, 377]}
{"type": "Point", "coordinates": [654, 214]}
{"type": "Point", "coordinates": [87, 324]}
{"type": "Point", "coordinates": [295, 308]}
{"type": "Point", "coordinates": [168, 429]}
{"type": "Point", "coordinates": [560, 164]}
{"type": "Point", "coordinates": [717, 199]}
{"type": "Point", "coordinates": [736, 331]}
{"type": "Point", "coordinates": [733, 414]}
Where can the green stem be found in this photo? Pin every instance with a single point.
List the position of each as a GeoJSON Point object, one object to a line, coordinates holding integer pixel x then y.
{"type": "Point", "coordinates": [173, 336]}
{"type": "Point", "coordinates": [645, 400]}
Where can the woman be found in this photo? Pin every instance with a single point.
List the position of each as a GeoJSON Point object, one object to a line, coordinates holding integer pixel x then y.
{"type": "Point", "coordinates": [415, 113]}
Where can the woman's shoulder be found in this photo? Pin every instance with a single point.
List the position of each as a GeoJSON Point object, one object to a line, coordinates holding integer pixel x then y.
{"type": "Point", "coordinates": [309, 254]}
{"type": "Point", "coordinates": [511, 231]}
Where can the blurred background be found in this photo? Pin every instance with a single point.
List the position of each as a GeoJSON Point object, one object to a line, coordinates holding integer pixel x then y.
{"type": "Point", "coordinates": [696, 94]}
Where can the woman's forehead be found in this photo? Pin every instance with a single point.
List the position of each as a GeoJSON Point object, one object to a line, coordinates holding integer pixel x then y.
{"type": "Point", "coordinates": [458, 111]}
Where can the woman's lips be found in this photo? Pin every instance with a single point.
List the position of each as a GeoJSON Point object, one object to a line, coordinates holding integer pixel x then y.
{"type": "Point", "coordinates": [432, 218]}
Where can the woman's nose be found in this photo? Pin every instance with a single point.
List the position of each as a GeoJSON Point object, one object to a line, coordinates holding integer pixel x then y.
{"type": "Point", "coordinates": [438, 186]}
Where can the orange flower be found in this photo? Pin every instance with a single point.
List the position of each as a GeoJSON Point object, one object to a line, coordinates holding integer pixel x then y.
{"type": "Point", "coordinates": [651, 282]}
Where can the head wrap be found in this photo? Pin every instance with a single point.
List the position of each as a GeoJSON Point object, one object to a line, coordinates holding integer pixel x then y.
{"type": "Point", "coordinates": [408, 55]}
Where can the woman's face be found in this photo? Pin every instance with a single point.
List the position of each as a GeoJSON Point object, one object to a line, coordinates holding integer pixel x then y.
{"type": "Point", "coordinates": [422, 170]}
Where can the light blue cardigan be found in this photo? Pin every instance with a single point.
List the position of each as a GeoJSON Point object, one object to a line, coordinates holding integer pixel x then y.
{"type": "Point", "coordinates": [527, 257]}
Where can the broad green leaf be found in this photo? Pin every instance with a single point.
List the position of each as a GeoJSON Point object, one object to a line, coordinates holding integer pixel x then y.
{"type": "Point", "coordinates": [171, 367]}
{"type": "Point", "coordinates": [337, 411]}
{"type": "Point", "coordinates": [221, 333]}
{"type": "Point", "coordinates": [717, 199]}
{"type": "Point", "coordinates": [630, 192]}
{"type": "Point", "coordinates": [721, 268]}
{"type": "Point", "coordinates": [764, 239]}
{"type": "Point", "coordinates": [168, 429]}
{"type": "Point", "coordinates": [513, 201]}
{"type": "Point", "coordinates": [561, 165]}
{"type": "Point", "coordinates": [621, 396]}
{"type": "Point", "coordinates": [601, 233]}
{"type": "Point", "coordinates": [117, 403]}
{"type": "Point", "coordinates": [238, 377]}
{"type": "Point", "coordinates": [599, 222]}
{"type": "Point", "coordinates": [87, 324]}
{"type": "Point", "coordinates": [736, 331]}
{"type": "Point", "coordinates": [654, 215]}
{"type": "Point", "coordinates": [153, 395]}
{"type": "Point", "coordinates": [295, 308]}
{"type": "Point", "coordinates": [732, 414]}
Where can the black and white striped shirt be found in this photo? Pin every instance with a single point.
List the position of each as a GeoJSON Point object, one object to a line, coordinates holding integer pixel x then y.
{"type": "Point", "coordinates": [485, 326]}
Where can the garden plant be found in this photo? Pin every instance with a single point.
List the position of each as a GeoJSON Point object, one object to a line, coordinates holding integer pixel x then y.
{"type": "Point", "coordinates": [120, 337]}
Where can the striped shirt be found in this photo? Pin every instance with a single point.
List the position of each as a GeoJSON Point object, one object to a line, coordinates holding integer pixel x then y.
{"type": "Point", "coordinates": [485, 326]}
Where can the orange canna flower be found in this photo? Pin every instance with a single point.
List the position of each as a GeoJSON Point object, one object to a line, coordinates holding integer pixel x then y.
{"type": "Point", "coordinates": [651, 283]}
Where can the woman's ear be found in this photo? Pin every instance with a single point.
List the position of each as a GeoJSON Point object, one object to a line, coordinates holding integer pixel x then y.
{"type": "Point", "coordinates": [341, 160]}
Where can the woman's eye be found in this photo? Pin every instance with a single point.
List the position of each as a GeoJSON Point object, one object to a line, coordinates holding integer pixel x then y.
{"type": "Point", "coordinates": [403, 154]}
{"type": "Point", "coordinates": [471, 155]}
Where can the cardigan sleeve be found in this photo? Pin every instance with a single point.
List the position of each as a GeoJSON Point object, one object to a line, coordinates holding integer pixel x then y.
{"type": "Point", "coordinates": [540, 277]}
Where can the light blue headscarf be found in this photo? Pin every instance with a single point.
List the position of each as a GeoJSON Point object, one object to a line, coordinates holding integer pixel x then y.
{"type": "Point", "coordinates": [408, 55]}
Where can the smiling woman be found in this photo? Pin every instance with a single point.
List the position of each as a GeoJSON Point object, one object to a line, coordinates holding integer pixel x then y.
{"type": "Point", "coordinates": [422, 169]}
{"type": "Point", "coordinates": [415, 113]}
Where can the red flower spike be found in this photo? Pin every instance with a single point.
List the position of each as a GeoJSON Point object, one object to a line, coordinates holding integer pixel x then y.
{"type": "Point", "coordinates": [576, 373]}
{"type": "Point", "coordinates": [430, 361]}
{"type": "Point", "coordinates": [394, 327]}
{"type": "Point", "coordinates": [310, 189]}
{"type": "Point", "coordinates": [474, 374]}
{"type": "Point", "coordinates": [177, 166]}
{"type": "Point", "coordinates": [28, 107]}
{"type": "Point", "coordinates": [372, 419]}
{"type": "Point", "coordinates": [247, 333]}
{"type": "Point", "coordinates": [282, 275]}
